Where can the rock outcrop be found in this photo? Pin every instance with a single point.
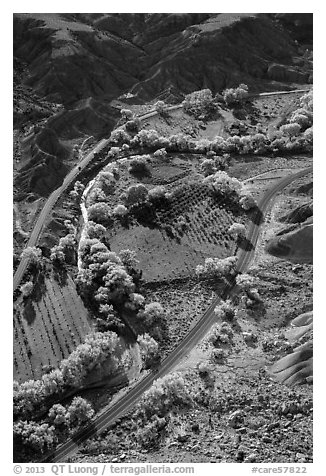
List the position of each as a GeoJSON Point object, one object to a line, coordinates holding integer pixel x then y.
{"type": "Point", "coordinates": [295, 246]}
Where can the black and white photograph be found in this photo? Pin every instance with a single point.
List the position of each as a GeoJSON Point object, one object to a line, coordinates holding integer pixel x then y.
{"type": "Point", "coordinates": [162, 239]}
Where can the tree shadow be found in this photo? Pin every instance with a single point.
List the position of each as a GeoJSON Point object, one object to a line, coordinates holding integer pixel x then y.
{"type": "Point", "coordinates": [39, 287]}
{"type": "Point", "coordinates": [245, 244]}
{"type": "Point", "coordinates": [60, 275]}
{"type": "Point", "coordinates": [84, 433]}
{"type": "Point", "coordinates": [29, 313]}
{"type": "Point", "coordinates": [256, 216]}
{"type": "Point", "coordinates": [257, 310]}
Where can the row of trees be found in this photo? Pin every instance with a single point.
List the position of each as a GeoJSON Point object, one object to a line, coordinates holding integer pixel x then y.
{"type": "Point", "coordinates": [109, 280]}
{"type": "Point", "coordinates": [294, 136]}
{"type": "Point", "coordinates": [259, 143]}
{"type": "Point", "coordinates": [31, 396]}
{"type": "Point", "coordinates": [60, 423]}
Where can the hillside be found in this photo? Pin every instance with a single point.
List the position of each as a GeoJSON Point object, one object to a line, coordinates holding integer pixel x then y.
{"type": "Point", "coordinates": [163, 204]}
{"type": "Point", "coordinates": [69, 67]}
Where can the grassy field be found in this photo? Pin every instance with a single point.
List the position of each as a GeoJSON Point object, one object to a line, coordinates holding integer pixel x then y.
{"type": "Point", "coordinates": [48, 326]}
{"type": "Point", "coordinates": [180, 236]}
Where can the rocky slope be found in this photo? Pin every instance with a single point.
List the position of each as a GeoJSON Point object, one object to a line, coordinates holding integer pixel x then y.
{"type": "Point", "coordinates": [69, 67]}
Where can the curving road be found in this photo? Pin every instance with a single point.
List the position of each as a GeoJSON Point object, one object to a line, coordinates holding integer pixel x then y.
{"type": "Point", "coordinates": [49, 204]}
{"type": "Point", "coordinates": [52, 199]}
{"type": "Point", "coordinates": [126, 402]}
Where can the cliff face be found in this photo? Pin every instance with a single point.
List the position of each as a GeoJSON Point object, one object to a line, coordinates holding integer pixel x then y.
{"type": "Point", "coordinates": [83, 61]}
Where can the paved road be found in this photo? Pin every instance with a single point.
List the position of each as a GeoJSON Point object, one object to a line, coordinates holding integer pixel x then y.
{"type": "Point", "coordinates": [112, 413]}
{"type": "Point", "coordinates": [56, 194]}
{"type": "Point", "coordinates": [49, 204]}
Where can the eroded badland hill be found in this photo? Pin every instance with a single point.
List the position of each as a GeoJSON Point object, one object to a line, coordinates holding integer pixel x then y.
{"type": "Point", "coordinates": [163, 210]}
